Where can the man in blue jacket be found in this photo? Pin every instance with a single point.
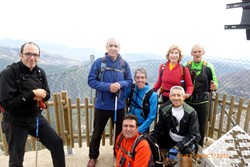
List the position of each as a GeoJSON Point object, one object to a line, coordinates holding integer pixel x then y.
{"type": "Point", "coordinates": [143, 101]}
{"type": "Point", "coordinates": [109, 76]}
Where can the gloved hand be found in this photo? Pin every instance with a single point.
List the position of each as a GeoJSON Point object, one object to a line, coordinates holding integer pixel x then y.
{"type": "Point", "coordinates": [172, 153]}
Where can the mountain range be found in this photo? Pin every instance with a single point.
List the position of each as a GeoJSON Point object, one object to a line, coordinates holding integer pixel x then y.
{"type": "Point", "coordinates": [66, 70]}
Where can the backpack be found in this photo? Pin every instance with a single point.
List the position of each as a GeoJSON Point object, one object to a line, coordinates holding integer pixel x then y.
{"type": "Point", "coordinates": [189, 63]}
{"type": "Point", "coordinates": [204, 67]}
{"type": "Point", "coordinates": [157, 160]}
{"type": "Point", "coordinates": [207, 71]}
{"type": "Point", "coordinates": [145, 102]}
{"type": "Point", "coordinates": [19, 76]}
{"type": "Point", "coordinates": [182, 75]}
{"type": "Point", "coordinates": [104, 68]}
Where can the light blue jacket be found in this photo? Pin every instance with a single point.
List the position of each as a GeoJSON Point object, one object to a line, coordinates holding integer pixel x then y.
{"type": "Point", "coordinates": [137, 97]}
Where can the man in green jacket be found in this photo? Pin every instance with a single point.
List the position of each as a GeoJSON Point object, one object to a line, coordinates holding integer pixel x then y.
{"type": "Point", "coordinates": [204, 80]}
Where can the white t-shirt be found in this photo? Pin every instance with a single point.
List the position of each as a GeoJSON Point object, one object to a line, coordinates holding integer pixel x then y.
{"type": "Point", "coordinates": [178, 113]}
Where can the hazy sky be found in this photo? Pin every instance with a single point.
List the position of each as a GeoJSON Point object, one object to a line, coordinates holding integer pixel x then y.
{"type": "Point", "coordinates": [143, 26]}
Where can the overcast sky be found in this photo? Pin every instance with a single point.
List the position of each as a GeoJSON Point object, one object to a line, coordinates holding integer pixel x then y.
{"type": "Point", "coordinates": [141, 26]}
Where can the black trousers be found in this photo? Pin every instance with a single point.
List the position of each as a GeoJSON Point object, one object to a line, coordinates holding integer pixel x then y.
{"type": "Point", "coordinates": [202, 112]}
{"type": "Point", "coordinates": [100, 120]}
{"type": "Point", "coordinates": [16, 136]}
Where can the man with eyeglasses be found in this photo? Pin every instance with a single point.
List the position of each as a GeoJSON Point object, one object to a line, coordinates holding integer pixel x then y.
{"type": "Point", "coordinates": [23, 90]}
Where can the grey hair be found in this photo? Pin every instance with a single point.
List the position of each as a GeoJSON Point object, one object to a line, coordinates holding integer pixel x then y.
{"type": "Point", "coordinates": [141, 70]}
{"type": "Point", "coordinates": [111, 40]}
{"type": "Point", "coordinates": [177, 88]}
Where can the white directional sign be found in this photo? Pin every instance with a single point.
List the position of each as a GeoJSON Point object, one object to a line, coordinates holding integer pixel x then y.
{"type": "Point", "coordinates": [231, 150]}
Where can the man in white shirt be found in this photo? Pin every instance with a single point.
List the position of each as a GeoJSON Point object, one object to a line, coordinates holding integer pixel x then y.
{"type": "Point", "coordinates": [177, 129]}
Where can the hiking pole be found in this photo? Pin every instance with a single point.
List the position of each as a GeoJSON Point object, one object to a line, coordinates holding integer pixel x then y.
{"type": "Point", "coordinates": [37, 126]}
{"type": "Point", "coordinates": [209, 112]}
{"type": "Point", "coordinates": [115, 116]}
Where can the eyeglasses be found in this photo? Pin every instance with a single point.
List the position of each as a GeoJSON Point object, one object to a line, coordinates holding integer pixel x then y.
{"type": "Point", "coordinates": [29, 55]}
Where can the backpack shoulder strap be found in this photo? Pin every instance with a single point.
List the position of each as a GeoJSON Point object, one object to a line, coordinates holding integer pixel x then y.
{"type": "Point", "coordinates": [17, 72]}
{"type": "Point", "coordinates": [207, 70]}
{"type": "Point", "coordinates": [103, 67]}
{"type": "Point", "coordinates": [120, 141]}
{"type": "Point", "coordinates": [182, 72]}
{"type": "Point", "coordinates": [204, 66]}
{"type": "Point", "coordinates": [103, 64]}
{"type": "Point", "coordinates": [136, 142]}
{"type": "Point", "coordinates": [131, 94]}
{"type": "Point", "coordinates": [162, 69]}
{"type": "Point", "coordinates": [146, 103]}
{"type": "Point", "coordinates": [189, 63]}
{"type": "Point", "coordinates": [119, 146]}
{"type": "Point", "coordinates": [123, 65]}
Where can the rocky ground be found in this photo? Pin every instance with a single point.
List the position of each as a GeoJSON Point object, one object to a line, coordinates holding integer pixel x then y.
{"type": "Point", "coordinates": [79, 158]}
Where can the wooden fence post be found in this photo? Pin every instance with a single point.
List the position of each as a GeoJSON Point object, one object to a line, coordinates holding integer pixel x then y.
{"type": "Point", "coordinates": [231, 109]}
{"type": "Point", "coordinates": [60, 116]}
{"type": "Point", "coordinates": [79, 124]}
{"type": "Point", "coordinates": [216, 102]}
{"type": "Point", "coordinates": [5, 146]}
{"type": "Point", "coordinates": [222, 115]}
{"type": "Point", "coordinates": [64, 121]}
{"type": "Point", "coordinates": [47, 114]}
{"type": "Point", "coordinates": [239, 111]}
{"type": "Point", "coordinates": [86, 108]}
{"type": "Point", "coordinates": [246, 126]}
{"type": "Point", "coordinates": [67, 122]}
{"type": "Point", "coordinates": [70, 122]}
{"type": "Point", "coordinates": [56, 113]}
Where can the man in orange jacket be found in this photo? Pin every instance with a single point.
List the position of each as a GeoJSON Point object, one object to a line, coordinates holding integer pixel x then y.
{"type": "Point", "coordinates": [126, 140]}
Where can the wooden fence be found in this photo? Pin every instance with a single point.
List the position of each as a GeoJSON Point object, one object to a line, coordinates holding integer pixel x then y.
{"type": "Point", "coordinates": [73, 121]}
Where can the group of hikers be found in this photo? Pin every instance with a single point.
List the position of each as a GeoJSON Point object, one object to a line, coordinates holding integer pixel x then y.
{"type": "Point", "coordinates": [183, 89]}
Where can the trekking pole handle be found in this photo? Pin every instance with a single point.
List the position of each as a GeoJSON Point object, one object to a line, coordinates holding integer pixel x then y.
{"type": "Point", "coordinates": [37, 119]}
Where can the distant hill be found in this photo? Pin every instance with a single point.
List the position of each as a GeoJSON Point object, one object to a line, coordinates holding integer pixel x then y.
{"type": "Point", "coordinates": [79, 54]}
{"type": "Point", "coordinates": [51, 62]}
{"type": "Point", "coordinates": [69, 73]}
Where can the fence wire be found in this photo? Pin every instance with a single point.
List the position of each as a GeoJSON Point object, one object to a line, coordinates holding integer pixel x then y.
{"type": "Point", "coordinates": [233, 77]}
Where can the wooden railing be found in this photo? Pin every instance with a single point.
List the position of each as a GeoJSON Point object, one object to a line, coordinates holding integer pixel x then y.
{"type": "Point", "coordinates": [73, 121]}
